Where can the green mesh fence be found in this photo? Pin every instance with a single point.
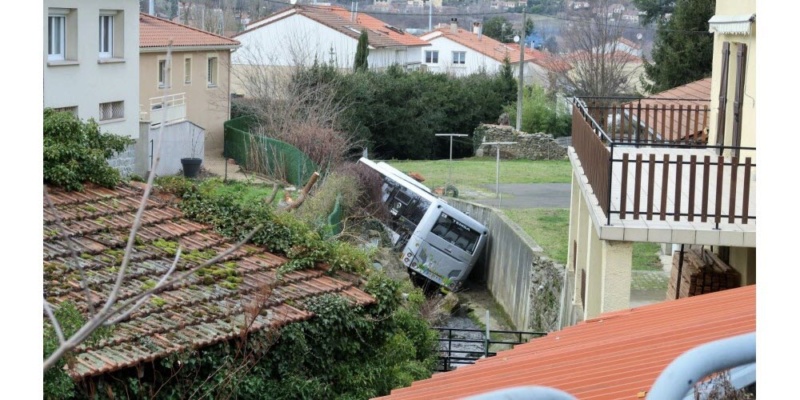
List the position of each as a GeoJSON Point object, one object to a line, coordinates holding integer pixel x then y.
{"type": "Point", "coordinates": [335, 217]}
{"type": "Point", "coordinates": [273, 157]}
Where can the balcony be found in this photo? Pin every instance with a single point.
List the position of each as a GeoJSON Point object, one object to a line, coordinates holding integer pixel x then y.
{"type": "Point", "coordinates": [167, 109]}
{"type": "Point", "coordinates": [652, 174]}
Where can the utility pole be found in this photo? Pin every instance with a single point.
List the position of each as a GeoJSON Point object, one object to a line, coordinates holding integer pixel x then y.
{"type": "Point", "coordinates": [450, 165]}
{"type": "Point", "coordinates": [497, 176]}
{"type": "Point", "coordinates": [430, 15]}
{"type": "Point", "coordinates": [521, 68]}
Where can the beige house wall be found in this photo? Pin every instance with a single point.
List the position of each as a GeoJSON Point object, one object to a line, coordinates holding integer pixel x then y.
{"type": "Point", "coordinates": [208, 107]}
{"type": "Point", "coordinates": [731, 8]}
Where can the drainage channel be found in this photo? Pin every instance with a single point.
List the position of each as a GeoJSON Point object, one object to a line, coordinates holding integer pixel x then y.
{"type": "Point", "coordinates": [463, 342]}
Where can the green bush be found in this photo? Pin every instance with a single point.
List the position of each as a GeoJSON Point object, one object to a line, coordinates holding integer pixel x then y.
{"type": "Point", "coordinates": [398, 112]}
{"type": "Point", "coordinates": [540, 113]}
{"type": "Point", "coordinates": [75, 152]}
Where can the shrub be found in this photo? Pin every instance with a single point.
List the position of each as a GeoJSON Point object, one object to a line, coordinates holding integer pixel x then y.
{"type": "Point", "coordinates": [540, 113]}
{"type": "Point", "coordinates": [76, 152]}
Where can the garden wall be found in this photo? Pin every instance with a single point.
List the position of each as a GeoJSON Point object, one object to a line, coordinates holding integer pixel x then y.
{"type": "Point", "coordinates": [530, 146]}
{"type": "Point", "coordinates": [527, 284]}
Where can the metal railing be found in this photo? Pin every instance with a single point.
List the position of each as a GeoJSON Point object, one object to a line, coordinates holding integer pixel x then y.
{"type": "Point", "coordinates": [173, 108]}
{"type": "Point", "coordinates": [715, 184]}
{"type": "Point", "coordinates": [458, 347]}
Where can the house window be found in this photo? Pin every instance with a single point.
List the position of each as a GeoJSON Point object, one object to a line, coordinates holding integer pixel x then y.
{"type": "Point", "coordinates": [106, 36]}
{"type": "Point", "coordinates": [432, 56]}
{"type": "Point", "coordinates": [212, 71]}
{"type": "Point", "coordinates": [72, 110]}
{"type": "Point", "coordinates": [163, 74]}
{"type": "Point", "coordinates": [459, 57]}
{"type": "Point", "coordinates": [187, 70]}
{"type": "Point", "coordinates": [56, 37]}
{"type": "Point", "coordinates": [112, 110]}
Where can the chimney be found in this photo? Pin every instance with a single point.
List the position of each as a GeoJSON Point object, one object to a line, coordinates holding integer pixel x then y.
{"type": "Point", "coordinates": [476, 29]}
{"type": "Point", "coordinates": [454, 25]}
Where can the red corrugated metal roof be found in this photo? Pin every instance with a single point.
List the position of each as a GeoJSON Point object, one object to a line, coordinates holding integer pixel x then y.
{"type": "Point", "coordinates": [614, 356]}
{"type": "Point", "coordinates": [157, 32]}
{"type": "Point", "coordinates": [204, 309]}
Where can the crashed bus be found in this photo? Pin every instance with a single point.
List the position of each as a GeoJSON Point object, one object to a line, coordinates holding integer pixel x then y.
{"type": "Point", "coordinates": [438, 242]}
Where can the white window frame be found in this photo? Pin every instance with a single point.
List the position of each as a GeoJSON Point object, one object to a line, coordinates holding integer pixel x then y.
{"type": "Point", "coordinates": [106, 42]}
{"type": "Point", "coordinates": [432, 55]}
{"type": "Point", "coordinates": [187, 70]}
{"type": "Point", "coordinates": [163, 73]}
{"type": "Point", "coordinates": [62, 39]}
{"type": "Point", "coordinates": [459, 57]}
{"type": "Point", "coordinates": [107, 111]}
{"type": "Point", "coordinates": [212, 83]}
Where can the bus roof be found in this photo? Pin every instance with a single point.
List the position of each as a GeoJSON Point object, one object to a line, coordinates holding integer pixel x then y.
{"type": "Point", "coordinates": [392, 172]}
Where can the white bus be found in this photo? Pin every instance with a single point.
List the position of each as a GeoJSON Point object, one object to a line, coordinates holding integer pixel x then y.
{"type": "Point", "coordinates": [438, 241]}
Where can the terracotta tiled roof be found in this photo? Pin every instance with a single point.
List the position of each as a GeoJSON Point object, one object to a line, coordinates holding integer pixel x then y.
{"type": "Point", "coordinates": [338, 18]}
{"type": "Point", "coordinates": [545, 60]}
{"type": "Point", "coordinates": [679, 123]}
{"type": "Point", "coordinates": [614, 356]}
{"type": "Point", "coordinates": [377, 25]}
{"type": "Point", "coordinates": [202, 310]}
{"type": "Point", "coordinates": [482, 44]}
{"type": "Point", "coordinates": [157, 32]}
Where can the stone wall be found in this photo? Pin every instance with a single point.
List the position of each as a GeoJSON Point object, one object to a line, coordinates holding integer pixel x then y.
{"type": "Point", "coordinates": [531, 146]}
{"type": "Point", "coordinates": [526, 283]}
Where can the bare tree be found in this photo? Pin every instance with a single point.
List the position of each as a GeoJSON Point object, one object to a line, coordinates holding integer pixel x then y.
{"type": "Point", "coordinates": [600, 64]}
{"type": "Point", "coordinates": [297, 99]}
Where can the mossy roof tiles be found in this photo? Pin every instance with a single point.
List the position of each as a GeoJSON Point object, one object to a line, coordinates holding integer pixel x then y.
{"type": "Point", "coordinates": [196, 312]}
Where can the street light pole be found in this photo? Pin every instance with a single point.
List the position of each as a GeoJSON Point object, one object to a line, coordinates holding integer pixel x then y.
{"type": "Point", "coordinates": [450, 165]}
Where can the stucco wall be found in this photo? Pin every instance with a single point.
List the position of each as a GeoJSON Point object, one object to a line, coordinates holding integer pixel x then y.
{"type": "Point", "coordinates": [298, 40]}
{"type": "Point", "coordinates": [473, 61]}
{"type": "Point", "coordinates": [732, 8]}
{"type": "Point", "coordinates": [208, 107]}
{"type": "Point", "coordinates": [524, 282]}
{"type": "Point", "coordinates": [84, 80]}
{"type": "Point", "coordinates": [180, 140]}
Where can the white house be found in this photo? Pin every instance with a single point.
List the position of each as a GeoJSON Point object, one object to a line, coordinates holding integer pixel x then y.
{"type": "Point", "coordinates": [90, 52]}
{"type": "Point", "coordinates": [301, 35]}
{"type": "Point", "coordinates": [462, 52]}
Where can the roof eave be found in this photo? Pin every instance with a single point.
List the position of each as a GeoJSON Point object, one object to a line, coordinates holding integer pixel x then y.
{"type": "Point", "coordinates": [163, 49]}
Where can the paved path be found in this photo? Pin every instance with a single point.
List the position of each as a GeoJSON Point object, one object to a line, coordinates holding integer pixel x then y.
{"type": "Point", "coordinates": [214, 163]}
{"type": "Point", "coordinates": [529, 195]}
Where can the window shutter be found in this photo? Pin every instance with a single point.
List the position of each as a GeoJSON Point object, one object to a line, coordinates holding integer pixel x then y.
{"type": "Point", "coordinates": [741, 64]}
{"type": "Point", "coordinates": [723, 94]}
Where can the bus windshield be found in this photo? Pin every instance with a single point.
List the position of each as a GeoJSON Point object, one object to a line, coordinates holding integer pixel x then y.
{"type": "Point", "coordinates": [455, 232]}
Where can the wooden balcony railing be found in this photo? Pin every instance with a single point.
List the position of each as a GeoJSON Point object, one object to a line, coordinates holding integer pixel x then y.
{"type": "Point", "coordinates": [655, 176]}
{"type": "Point", "coordinates": [651, 120]}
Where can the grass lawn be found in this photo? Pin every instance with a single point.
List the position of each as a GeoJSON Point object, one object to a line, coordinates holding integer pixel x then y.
{"type": "Point", "coordinates": [245, 193]}
{"type": "Point", "coordinates": [477, 172]}
{"type": "Point", "coordinates": [549, 227]}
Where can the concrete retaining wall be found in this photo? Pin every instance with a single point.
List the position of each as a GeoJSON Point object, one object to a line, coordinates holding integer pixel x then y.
{"type": "Point", "coordinates": [524, 282]}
